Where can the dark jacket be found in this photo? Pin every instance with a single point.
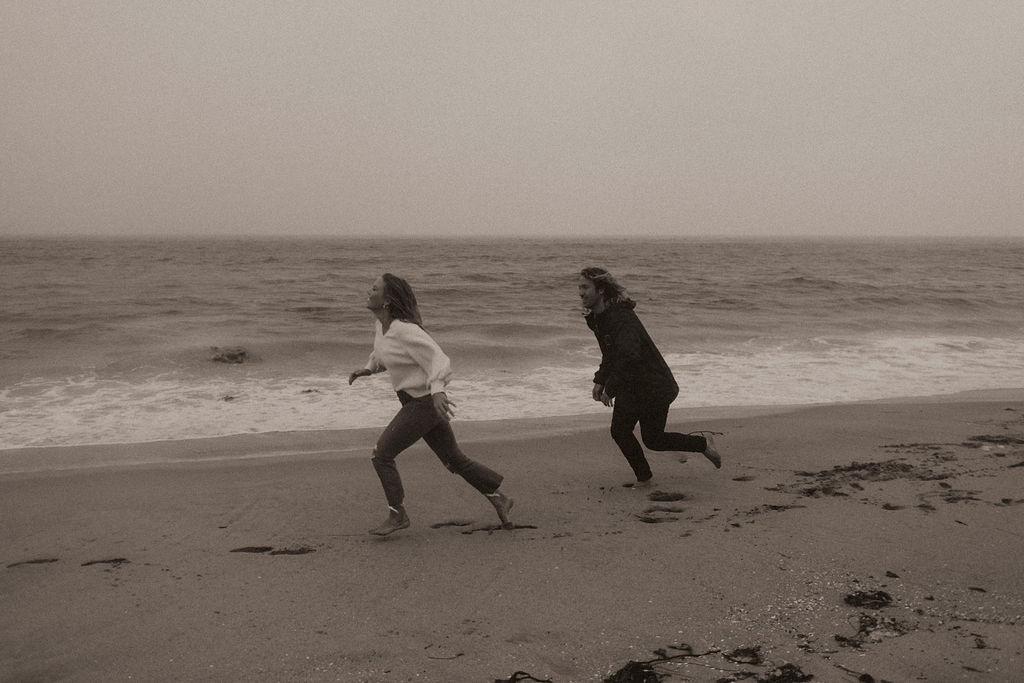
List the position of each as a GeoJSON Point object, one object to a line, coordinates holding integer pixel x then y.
{"type": "Point", "coordinates": [630, 362]}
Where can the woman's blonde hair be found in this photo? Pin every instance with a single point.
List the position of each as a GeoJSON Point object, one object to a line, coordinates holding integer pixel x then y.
{"type": "Point", "coordinates": [400, 300]}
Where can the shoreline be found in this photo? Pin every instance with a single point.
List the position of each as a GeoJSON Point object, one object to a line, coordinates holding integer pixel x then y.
{"type": "Point", "coordinates": [354, 443]}
{"type": "Point", "coordinates": [877, 538]}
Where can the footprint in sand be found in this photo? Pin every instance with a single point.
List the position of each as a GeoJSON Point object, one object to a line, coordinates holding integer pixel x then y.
{"type": "Point", "coordinates": [665, 496]}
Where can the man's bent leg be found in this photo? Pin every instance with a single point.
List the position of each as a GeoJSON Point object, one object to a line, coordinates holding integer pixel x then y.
{"type": "Point", "coordinates": [624, 419]}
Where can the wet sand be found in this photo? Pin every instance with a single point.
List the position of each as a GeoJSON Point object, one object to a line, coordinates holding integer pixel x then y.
{"type": "Point", "coordinates": [876, 541]}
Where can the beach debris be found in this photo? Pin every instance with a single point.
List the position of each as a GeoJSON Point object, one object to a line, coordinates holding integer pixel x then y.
{"type": "Point", "coordinates": [837, 480]}
{"type": "Point", "coordinates": [453, 522]}
{"type": "Point", "coordinates": [643, 671]}
{"type": "Point", "coordinates": [1000, 439]}
{"type": "Point", "coordinates": [499, 527]}
{"type": "Point", "coordinates": [299, 550]}
{"type": "Point", "coordinates": [521, 676]}
{"type": "Point", "coordinates": [115, 561]}
{"type": "Point", "coordinates": [635, 672]}
{"type": "Point", "coordinates": [787, 673]}
{"type": "Point", "coordinates": [760, 509]}
{"type": "Point", "coordinates": [952, 495]}
{"type": "Point", "coordinates": [745, 655]}
{"type": "Point", "coordinates": [41, 560]}
{"type": "Point", "coordinates": [873, 628]}
{"type": "Point", "coordinates": [869, 599]}
{"type": "Point", "coordinates": [233, 355]}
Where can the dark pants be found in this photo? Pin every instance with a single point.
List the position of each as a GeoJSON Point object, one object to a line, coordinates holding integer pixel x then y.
{"type": "Point", "coordinates": [419, 419]}
{"type": "Point", "coordinates": [652, 416]}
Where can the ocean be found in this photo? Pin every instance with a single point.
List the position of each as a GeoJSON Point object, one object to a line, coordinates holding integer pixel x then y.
{"type": "Point", "coordinates": [114, 340]}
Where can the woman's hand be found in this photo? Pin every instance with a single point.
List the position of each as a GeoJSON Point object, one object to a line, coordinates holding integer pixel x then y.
{"type": "Point", "coordinates": [357, 374]}
{"type": "Point", "coordinates": [443, 406]}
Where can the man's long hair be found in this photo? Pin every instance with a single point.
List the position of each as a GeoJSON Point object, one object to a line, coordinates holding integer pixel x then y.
{"type": "Point", "coordinates": [606, 285]}
{"type": "Point", "coordinates": [400, 300]}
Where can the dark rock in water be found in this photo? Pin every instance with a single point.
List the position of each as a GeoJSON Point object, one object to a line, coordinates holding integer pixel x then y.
{"type": "Point", "coordinates": [232, 355]}
{"type": "Point", "coordinates": [870, 600]}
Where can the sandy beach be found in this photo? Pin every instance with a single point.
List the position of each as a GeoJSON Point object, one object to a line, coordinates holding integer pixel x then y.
{"type": "Point", "coordinates": [860, 542]}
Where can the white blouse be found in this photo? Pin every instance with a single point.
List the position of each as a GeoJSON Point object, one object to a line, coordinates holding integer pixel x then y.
{"type": "Point", "coordinates": [415, 362]}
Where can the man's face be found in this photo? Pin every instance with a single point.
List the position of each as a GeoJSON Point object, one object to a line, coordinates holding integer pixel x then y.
{"type": "Point", "coordinates": [589, 296]}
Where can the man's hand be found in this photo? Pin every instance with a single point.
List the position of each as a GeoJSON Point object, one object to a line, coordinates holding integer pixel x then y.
{"type": "Point", "coordinates": [606, 399]}
{"type": "Point", "coordinates": [597, 391]}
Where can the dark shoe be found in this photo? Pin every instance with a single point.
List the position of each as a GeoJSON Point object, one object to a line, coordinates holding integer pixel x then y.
{"type": "Point", "coordinates": [503, 506]}
{"type": "Point", "coordinates": [711, 453]}
{"type": "Point", "coordinates": [396, 520]}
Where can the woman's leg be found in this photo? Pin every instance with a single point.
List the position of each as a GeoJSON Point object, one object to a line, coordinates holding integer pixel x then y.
{"type": "Point", "coordinates": [414, 420]}
{"type": "Point", "coordinates": [625, 415]}
{"type": "Point", "coordinates": [441, 440]}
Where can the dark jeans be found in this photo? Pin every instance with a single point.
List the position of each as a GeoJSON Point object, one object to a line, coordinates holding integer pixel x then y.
{"type": "Point", "coordinates": [419, 419]}
{"type": "Point", "coordinates": [652, 416]}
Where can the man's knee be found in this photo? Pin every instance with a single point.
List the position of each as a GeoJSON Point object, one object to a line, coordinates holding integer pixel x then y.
{"type": "Point", "coordinates": [619, 433]}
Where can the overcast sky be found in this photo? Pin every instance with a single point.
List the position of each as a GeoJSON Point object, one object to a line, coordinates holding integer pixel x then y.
{"type": "Point", "coordinates": [512, 118]}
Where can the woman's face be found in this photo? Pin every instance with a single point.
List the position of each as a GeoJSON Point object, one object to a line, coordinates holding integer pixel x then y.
{"type": "Point", "coordinates": [589, 296]}
{"type": "Point", "coordinates": [375, 297]}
